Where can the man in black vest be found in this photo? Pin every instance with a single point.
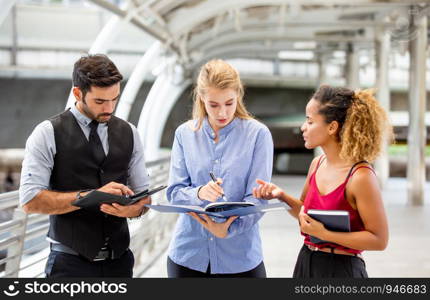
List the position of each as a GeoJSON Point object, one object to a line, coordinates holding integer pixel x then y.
{"type": "Point", "coordinates": [82, 149]}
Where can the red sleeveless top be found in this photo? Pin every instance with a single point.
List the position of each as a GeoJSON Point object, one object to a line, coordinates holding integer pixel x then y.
{"type": "Point", "coordinates": [335, 200]}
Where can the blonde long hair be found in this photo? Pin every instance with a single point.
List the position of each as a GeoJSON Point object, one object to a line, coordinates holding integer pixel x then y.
{"type": "Point", "coordinates": [218, 74]}
{"type": "Point", "coordinates": [364, 125]}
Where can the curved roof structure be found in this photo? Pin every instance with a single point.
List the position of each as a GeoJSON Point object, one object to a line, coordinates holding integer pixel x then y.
{"type": "Point", "coordinates": [197, 30]}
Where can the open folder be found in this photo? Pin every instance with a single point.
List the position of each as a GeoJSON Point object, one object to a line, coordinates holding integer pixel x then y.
{"type": "Point", "coordinates": [222, 210]}
{"type": "Point", "coordinates": [94, 199]}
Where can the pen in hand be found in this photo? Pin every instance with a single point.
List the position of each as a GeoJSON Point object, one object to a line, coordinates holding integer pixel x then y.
{"type": "Point", "coordinates": [215, 180]}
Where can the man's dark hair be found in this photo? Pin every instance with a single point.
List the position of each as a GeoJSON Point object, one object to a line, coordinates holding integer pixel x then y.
{"type": "Point", "coordinates": [95, 70]}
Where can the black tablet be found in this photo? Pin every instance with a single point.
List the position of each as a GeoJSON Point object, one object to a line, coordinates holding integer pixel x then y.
{"type": "Point", "coordinates": [95, 198]}
{"type": "Point", "coordinates": [145, 193]}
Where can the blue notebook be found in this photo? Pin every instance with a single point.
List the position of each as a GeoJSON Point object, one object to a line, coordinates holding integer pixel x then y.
{"type": "Point", "coordinates": [335, 220]}
{"type": "Point", "coordinates": [220, 209]}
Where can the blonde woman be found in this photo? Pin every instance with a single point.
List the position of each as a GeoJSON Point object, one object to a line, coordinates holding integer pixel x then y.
{"type": "Point", "coordinates": [224, 139]}
{"type": "Point", "coordinates": [350, 127]}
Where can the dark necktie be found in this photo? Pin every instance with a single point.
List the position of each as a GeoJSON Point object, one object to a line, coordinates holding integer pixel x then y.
{"type": "Point", "coordinates": [96, 144]}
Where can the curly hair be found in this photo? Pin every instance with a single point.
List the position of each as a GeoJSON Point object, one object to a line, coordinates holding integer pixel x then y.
{"type": "Point", "coordinates": [363, 124]}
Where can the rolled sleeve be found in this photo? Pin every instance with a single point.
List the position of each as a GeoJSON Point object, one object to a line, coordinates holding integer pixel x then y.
{"type": "Point", "coordinates": [38, 162]}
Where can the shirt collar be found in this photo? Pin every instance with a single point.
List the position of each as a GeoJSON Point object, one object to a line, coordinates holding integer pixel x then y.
{"type": "Point", "coordinates": [81, 118]}
{"type": "Point", "coordinates": [223, 131]}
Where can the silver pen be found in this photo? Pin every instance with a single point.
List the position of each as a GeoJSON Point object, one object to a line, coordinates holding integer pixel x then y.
{"type": "Point", "coordinates": [215, 180]}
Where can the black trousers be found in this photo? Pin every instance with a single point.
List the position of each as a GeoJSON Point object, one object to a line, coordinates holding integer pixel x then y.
{"type": "Point", "coordinates": [63, 265]}
{"type": "Point", "coordinates": [318, 264]}
{"type": "Point", "coordinates": [177, 271]}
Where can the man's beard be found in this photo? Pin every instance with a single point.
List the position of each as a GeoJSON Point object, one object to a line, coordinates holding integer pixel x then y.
{"type": "Point", "coordinates": [90, 114]}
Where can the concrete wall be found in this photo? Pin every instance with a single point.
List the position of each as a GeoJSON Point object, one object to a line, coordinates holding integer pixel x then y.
{"type": "Point", "coordinates": [27, 102]}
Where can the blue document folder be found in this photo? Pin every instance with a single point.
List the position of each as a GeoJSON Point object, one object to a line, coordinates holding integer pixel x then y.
{"type": "Point", "coordinates": [233, 210]}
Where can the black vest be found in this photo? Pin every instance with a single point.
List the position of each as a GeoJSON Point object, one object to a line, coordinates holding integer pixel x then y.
{"type": "Point", "coordinates": [75, 169]}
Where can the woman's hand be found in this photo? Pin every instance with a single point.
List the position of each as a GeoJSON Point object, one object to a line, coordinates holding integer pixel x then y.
{"type": "Point", "coordinates": [311, 226]}
{"type": "Point", "coordinates": [267, 190]}
{"type": "Point", "coordinates": [220, 230]}
{"type": "Point", "coordinates": [211, 191]}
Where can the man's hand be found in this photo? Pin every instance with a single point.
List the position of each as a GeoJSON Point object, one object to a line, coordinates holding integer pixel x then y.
{"type": "Point", "coordinates": [116, 189]}
{"type": "Point", "coordinates": [127, 211]}
{"type": "Point", "coordinates": [220, 230]}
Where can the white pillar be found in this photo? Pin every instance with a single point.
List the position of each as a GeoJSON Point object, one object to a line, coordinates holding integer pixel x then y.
{"type": "Point", "coordinates": [382, 43]}
{"type": "Point", "coordinates": [135, 81]}
{"type": "Point", "coordinates": [417, 107]}
{"type": "Point", "coordinates": [158, 105]}
{"type": "Point", "coordinates": [154, 94]}
{"type": "Point", "coordinates": [322, 69]}
{"type": "Point", "coordinates": [352, 67]}
{"type": "Point", "coordinates": [322, 79]}
{"type": "Point", "coordinates": [102, 43]}
{"type": "Point", "coordinates": [5, 7]}
{"type": "Point", "coordinates": [159, 118]}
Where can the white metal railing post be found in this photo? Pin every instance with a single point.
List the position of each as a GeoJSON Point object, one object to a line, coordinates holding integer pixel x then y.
{"type": "Point", "coordinates": [14, 251]}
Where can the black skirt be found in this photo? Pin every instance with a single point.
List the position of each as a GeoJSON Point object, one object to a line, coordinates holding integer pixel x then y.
{"type": "Point", "coordinates": [318, 264]}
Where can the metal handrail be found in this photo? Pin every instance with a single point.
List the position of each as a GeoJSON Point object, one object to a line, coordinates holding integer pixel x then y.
{"type": "Point", "coordinates": [7, 242]}
{"type": "Point", "coordinates": [8, 200]}
{"type": "Point", "coordinates": [35, 218]}
{"type": "Point", "coordinates": [36, 232]}
{"type": "Point", "coordinates": [36, 248]}
{"type": "Point", "coordinates": [9, 225]}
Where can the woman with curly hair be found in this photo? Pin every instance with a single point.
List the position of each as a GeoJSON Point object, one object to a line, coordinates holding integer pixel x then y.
{"type": "Point", "coordinates": [351, 128]}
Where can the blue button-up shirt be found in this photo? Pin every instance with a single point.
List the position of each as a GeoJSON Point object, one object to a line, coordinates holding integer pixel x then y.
{"type": "Point", "coordinates": [243, 153]}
